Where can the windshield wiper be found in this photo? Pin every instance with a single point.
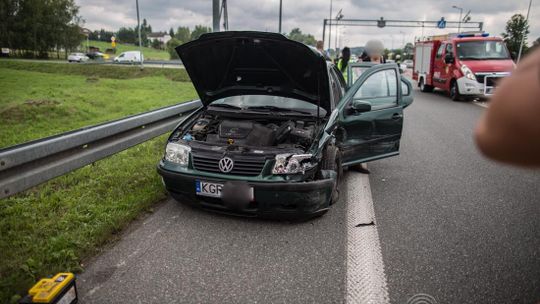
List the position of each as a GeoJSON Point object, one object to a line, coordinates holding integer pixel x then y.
{"type": "Point", "coordinates": [225, 105]}
{"type": "Point", "coordinates": [278, 109]}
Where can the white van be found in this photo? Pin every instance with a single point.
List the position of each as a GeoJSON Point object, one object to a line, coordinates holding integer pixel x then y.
{"type": "Point", "coordinates": [129, 57]}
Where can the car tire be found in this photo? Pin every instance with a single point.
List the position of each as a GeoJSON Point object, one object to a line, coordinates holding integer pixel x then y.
{"type": "Point", "coordinates": [424, 87]}
{"type": "Point", "coordinates": [454, 91]}
{"type": "Point", "coordinates": [332, 161]}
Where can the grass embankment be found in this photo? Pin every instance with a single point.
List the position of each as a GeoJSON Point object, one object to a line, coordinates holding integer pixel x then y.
{"type": "Point", "coordinates": [52, 227]}
{"type": "Point", "coordinates": [42, 99]}
{"type": "Point", "coordinates": [148, 52]}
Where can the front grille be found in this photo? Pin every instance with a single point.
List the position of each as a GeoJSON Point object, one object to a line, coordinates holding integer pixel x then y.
{"type": "Point", "coordinates": [480, 78]}
{"type": "Point", "coordinates": [244, 165]}
{"type": "Point", "coordinates": [491, 77]}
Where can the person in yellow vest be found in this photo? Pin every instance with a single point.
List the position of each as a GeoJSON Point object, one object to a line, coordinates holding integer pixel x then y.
{"type": "Point", "coordinates": [343, 62]}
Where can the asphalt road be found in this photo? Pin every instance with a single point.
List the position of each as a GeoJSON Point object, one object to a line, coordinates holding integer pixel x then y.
{"type": "Point", "coordinates": [451, 224]}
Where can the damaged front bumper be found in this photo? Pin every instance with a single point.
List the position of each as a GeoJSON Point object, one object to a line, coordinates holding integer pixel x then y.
{"type": "Point", "coordinates": [276, 200]}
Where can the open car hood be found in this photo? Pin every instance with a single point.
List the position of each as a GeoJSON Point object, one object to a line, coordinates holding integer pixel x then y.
{"type": "Point", "coordinates": [226, 64]}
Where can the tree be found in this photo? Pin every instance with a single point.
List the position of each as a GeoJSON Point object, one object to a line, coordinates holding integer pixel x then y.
{"type": "Point", "coordinates": [517, 28]}
{"type": "Point", "coordinates": [409, 50]}
{"type": "Point", "coordinates": [183, 34]}
{"type": "Point", "coordinates": [156, 44]}
{"type": "Point", "coordinates": [171, 45]}
{"type": "Point", "coordinates": [171, 32]}
{"type": "Point", "coordinates": [199, 30]}
{"type": "Point", "coordinates": [297, 35]}
{"type": "Point", "coordinates": [126, 35]}
{"type": "Point", "coordinates": [38, 26]}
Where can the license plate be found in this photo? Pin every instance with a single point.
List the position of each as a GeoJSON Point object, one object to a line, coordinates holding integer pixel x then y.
{"type": "Point", "coordinates": [208, 189]}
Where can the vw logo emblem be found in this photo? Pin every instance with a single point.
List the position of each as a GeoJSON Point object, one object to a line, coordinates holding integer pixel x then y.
{"type": "Point", "coordinates": [226, 165]}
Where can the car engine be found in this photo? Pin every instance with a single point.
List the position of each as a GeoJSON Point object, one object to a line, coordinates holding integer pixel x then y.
{"type": "Point", "coordinates": [251, 133]}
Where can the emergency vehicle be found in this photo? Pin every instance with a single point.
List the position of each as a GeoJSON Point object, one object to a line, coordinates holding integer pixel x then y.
{"type": "Point", "coordinates": [466, 65]}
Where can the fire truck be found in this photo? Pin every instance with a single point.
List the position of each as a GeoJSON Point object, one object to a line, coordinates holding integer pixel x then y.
{"type": "Point", "coordinates": [466, 65]}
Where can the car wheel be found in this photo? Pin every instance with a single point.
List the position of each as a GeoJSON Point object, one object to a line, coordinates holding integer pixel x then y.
{"type": "Point", "coordinates": [424, 87]}
{"type": "Point", "coordinates": [454, 91]}
{"type": "Point", "coordinates": [332, 161]}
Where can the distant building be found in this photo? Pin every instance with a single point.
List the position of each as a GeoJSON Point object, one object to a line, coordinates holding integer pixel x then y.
{"type": "Point", "coordinates": [162, 37]}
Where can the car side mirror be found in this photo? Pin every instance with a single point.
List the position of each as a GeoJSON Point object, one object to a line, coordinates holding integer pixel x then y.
{"type": "Point", "coordinates": [449, 58]}
{"type": "Point", "coordinates": [361, 106]}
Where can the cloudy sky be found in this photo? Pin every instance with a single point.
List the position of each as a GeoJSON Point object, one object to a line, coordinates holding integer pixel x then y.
{"type": "Point", "coordinates": [309, 15]}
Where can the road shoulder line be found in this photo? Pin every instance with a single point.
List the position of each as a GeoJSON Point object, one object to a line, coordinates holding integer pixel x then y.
{"type": "Point", "coordinates": [366, 280]}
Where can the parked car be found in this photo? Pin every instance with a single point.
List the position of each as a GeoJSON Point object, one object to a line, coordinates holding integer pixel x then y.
{"type": "Point", "coordinates": [278, 125]}
{"type": "Point", "coordinates": [98, 56]}
{"type": "Point", "coordinates": [408, 63]}
{"type": "Point", "coordinates": [129, 57]}
{"type": "Point", "coordinates": [77, 57]}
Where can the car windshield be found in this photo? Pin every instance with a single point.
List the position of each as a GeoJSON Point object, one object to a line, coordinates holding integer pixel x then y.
{"type": "Point", "coordinates": [269, 103]}
{"type": "Point", "coordinates": [482, 50]}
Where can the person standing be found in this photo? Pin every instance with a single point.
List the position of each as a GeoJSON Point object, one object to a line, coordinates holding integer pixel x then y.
{"type": "Point", "coordinates": [343, 62]}
{"type": "Point", "coordinates": [320, 48]}
{"type": "Point", "coordinates": [374, 50]}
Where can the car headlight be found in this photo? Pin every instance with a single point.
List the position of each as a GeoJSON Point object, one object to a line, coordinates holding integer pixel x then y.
{"type": "Point", "coordinates": [177, 153]}
{"type": "Point", "coordinates": [292, 164]}
{"type": "Point", "coordinates": [467, 72]}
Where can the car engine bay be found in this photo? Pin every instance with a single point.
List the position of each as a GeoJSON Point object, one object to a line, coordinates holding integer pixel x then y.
{"type": "Point", "coordinates": [256, 133]}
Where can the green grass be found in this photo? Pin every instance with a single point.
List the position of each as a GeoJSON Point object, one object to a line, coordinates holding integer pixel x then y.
{"type": "Point", "coordinates": [36, 104]}
{"type": "Point", "coordinates": [54, 226]}
{"type": "Point", "coordinates": [149, 53]}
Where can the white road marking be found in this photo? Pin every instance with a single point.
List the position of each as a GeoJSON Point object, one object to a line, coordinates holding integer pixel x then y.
{"type": "Point", "coordinates": [481, 104]}
{"type": "Point", "coordinates": [366, 280]}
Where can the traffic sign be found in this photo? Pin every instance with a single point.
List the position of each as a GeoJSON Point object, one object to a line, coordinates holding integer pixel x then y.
{"type": "Point", "coordinates": [381, 22]}
{"type": "Point", "coordinates": [442, 23]}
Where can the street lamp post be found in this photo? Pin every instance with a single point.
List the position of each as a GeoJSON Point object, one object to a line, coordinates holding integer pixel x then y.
{"type": "Point", "coordinates": [140, 41]}
{"type": "Point", "coordinates": [460, 14]}
{"type": "Point", "coordinates": [280, 12]}
{"type": "Point", "coordinates": [524, 32]}
{"type": "Point", "coordinates": [330, 27]}
{"type": "Point", "coordinates": [339, 16]}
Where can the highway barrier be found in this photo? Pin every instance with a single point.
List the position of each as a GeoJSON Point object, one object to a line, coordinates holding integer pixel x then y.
{"type": "Point", "coordinates": [29, 164]}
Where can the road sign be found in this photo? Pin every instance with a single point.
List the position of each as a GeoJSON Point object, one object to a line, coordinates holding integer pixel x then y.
{"type": "Point", "coordinates": [381, 22]}
{"type": "Point", "coordinates": [442, 23]}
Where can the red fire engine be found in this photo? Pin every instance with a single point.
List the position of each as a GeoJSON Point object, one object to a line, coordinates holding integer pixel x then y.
{"type": "Point", "coordinates": [467, 65]}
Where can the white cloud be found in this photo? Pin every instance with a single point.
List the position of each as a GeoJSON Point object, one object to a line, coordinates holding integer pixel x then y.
{"type": "Point", "coordinates": [308, 15]}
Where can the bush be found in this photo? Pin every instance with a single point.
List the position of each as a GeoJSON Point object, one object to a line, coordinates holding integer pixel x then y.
{"type": "Point", "coordinates": [171, 45]}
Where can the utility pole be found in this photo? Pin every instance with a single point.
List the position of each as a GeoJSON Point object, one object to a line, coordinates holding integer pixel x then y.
{"type": "Point", "coordinates": [280, 12]}
{"type": "Point", "coordinates": [460, 14]}
{"type": "Point", "coordinates": [339, 16]}
{"type": "Point", "coordinates": [524, 32]}
{"type": "Point", "coordinates": [140, 40]}
{"type": "Point", "coordinates": [215, 15]}
{"type": "Point", "coordinates": [330, 27]}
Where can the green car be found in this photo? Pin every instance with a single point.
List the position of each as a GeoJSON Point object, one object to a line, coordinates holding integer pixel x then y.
{"type": "Point", "coordinates": [278, 125]}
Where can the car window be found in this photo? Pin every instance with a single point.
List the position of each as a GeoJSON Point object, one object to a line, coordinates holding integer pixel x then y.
{"type": "Point", "coordinates": [339, 77]}
{"type": "Point", "coordinates": [440, 51]}
{"type": "Point", "coordinates": [337, 90]}
{"type": "Point", "coordinates": [121, 56]}
{"type": "Point", "coordinates": [449, 48]}
{"type": "Point", "coordinates": [245, 101]}
{"type": "Point", "coordinates": [379, 89]}
{"type": "Point", "coordinates": [356, 71]}
{"type": "Point", "coordinates": [404, 88]}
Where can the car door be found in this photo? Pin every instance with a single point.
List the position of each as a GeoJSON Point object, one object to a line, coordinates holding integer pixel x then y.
{"type": "Point", "coordinates": [439, 67]}
{"type": "Point", "coordinates": [373, 131]}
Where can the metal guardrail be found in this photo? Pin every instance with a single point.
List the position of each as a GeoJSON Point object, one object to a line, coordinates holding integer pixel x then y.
{"type": "Point", "coordinates": [26, 165]}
